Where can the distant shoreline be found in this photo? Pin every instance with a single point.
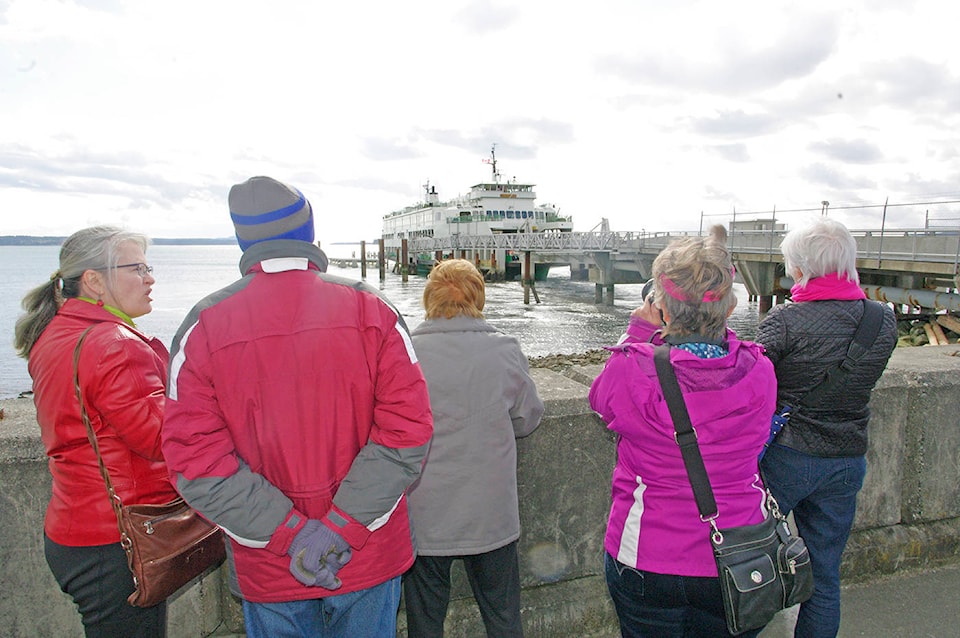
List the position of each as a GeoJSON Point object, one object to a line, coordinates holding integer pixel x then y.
{"type": "Point", "coordinates": [30, 240]}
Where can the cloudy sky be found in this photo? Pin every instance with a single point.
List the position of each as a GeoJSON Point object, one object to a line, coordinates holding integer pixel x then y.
{"type": "Point", "coordinates": [654, 115]}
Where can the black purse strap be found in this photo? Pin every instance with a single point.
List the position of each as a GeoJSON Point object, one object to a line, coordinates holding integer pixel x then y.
{"type": "Point", "coordinates": [685, 435]}
{"type": "Point", "coordinates": [866, 334]}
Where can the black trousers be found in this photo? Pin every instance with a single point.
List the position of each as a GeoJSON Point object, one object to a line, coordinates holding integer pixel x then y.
{"type": "Point", "coordinates": [494, 578]}
{"type": "Point", "coordinates": [99, 581]}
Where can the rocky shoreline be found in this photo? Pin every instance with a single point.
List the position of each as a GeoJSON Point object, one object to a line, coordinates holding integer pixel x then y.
{"type": "Point", "coordinates": [561, 362]}
{"type": "Point", "coordinates": [935, 330]}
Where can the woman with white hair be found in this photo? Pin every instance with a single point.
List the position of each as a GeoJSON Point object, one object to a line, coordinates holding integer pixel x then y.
{"type": "Point", "coordinates": [816, 465]}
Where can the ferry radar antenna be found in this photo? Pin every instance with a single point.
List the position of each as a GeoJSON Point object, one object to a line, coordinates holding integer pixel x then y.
{"type": "Point", "coordinates": [493, 163]}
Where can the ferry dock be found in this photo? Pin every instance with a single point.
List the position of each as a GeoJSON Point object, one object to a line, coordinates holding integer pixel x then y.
{"type": "Point", "coordinates": [912, 267]}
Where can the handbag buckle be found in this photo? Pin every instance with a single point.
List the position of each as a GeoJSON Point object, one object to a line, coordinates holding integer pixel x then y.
{"type": "Point", "coordinates": [716, 535]}
{"type": "Point", "coordinates": [686, 435]}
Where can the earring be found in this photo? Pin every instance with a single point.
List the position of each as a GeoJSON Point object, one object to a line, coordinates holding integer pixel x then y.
{"type": "Point", "coordinates": [100, 302]}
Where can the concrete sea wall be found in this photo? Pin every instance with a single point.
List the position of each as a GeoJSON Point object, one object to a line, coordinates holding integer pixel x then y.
{"type": "Point", "coordinates": [908, 513]}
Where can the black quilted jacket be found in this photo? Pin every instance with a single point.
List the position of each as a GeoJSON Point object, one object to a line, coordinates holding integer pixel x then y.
{"type": "Point", "coordinates": [804, 340]}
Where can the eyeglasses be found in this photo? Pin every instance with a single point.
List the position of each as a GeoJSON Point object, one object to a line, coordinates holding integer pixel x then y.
{"type": "Point", "coordinates": [142, 269]}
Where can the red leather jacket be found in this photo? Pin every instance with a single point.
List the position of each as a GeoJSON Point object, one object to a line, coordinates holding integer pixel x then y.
{"type": "Point", "coordinates": [122, 376]}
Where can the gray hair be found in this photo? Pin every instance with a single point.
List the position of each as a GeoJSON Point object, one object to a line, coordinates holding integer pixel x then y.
{"type": "Point", "coordinates": [820, 248]}
{"type": "Point", "coordinates": [94, 248]}
{"type": "Point", "coordinates": [693, 282]}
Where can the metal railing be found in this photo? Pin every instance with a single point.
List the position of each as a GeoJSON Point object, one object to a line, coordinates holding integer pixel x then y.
{"type": "Point", "coordinates": [913, 245]}
{"type": "Point", "coordinates": [932, 245]}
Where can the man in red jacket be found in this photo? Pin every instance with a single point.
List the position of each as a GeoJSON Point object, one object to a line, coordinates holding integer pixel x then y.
{"type": "Point", "coordinates": [296, 418]}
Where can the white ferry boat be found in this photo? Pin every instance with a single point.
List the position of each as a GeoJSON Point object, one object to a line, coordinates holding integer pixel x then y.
{"type": "Point", "coordinates": [491, 207]}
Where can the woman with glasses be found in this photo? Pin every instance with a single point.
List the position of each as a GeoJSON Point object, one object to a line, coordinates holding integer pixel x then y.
{"type": "Point", "coordinates": [102, 284]}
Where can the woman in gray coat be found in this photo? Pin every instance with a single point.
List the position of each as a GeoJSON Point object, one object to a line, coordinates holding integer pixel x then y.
{"type": "Point", "coordinates": [464, 506]}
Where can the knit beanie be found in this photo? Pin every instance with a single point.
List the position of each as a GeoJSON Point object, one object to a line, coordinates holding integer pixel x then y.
{"type": "Point", "coordinates": [263, 208]}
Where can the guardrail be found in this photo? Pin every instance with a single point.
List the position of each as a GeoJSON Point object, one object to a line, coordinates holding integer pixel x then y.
{"type": "Point", "coordinates": [917, 245]}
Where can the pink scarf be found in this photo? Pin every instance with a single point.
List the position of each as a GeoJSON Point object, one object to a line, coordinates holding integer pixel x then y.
{"type": "Point", "coordinates": [830, 286]}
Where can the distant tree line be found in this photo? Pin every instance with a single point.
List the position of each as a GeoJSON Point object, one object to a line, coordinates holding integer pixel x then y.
{"type": "Point", "coordinates": [30, 240]}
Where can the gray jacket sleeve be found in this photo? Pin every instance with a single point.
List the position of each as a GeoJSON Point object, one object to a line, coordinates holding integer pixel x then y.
{"type": "Point", "coordinates": [527, 407]}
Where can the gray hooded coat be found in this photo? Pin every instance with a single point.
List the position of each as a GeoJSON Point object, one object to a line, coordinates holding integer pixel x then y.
{"type": "Point", "coordinates": [482, 397]}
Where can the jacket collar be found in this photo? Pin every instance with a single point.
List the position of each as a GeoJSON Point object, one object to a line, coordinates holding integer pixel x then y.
{"type": "Point", "coordinates": [282, 249]}
{"type": "Point", "coordinates": [79, 309]}
{"type": "Point", "coordinates": [459, 323]}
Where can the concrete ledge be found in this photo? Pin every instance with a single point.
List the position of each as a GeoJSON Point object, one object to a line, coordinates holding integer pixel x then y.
{"type": "Point", "coordinates": [887, 550]}
{"type": "Point", "coordinates": [908, 512]}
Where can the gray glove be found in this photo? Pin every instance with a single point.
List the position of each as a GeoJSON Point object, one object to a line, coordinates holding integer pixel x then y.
{"type": "Point", "coordinates": [317, 554]}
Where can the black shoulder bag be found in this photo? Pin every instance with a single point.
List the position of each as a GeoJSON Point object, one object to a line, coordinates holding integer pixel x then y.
{"type": "Point", "coordinates": [865, 335]}
{"type": "Point", "coordinates": [762, 568]}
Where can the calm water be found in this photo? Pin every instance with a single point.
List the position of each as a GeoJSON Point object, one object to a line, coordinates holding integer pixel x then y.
{"type": "Point", "coordinates": [566, 321]}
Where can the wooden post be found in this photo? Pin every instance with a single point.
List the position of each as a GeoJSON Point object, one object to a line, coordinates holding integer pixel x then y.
{"type": "Point", "coordinates": [949, 322]}
{"type": "Point", "coordinates": [766, 303]}
{"type": "Point", "coordinates": [937, 330]}
{"type": "Point", "coordinates": [609, 294]}
{"type": "Point", "coordinates": [405, 260]}
{"type": "Point", "coordinates": [597, 293]}
{"type": "Point", "coordinates": [381, 260]}
{"type": "Point", "coordinates": [363, 259]}
{"type": "Point", "coordinates": [526, 277]}
{"type": "Point", "coordinates": [931, 336]}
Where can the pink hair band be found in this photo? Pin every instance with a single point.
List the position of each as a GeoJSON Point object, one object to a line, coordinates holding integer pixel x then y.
{"type": "Point", "coordinates": [677, 293]}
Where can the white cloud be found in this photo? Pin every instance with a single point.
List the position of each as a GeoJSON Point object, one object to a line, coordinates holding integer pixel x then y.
{"type": "Point", "coordinates": [648, 114]}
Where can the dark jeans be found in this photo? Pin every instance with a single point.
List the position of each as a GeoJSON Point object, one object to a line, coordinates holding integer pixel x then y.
{"type": "Point", "coordinates": [653, 605]}
{"type": "Point", "coordinates": [822, 494]}
{"type": "Point", "coordinates": [494, 578]}
{"type": "Point", "coordinates": [99, 581]}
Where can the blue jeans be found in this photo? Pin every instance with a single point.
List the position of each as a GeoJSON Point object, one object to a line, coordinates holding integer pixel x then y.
{"type": "Point", "coordinates": [822, 494]}
{"type": "Point", "coordinates": [367, 613]}
{"type": "Point", "coordinates": [653, 605]}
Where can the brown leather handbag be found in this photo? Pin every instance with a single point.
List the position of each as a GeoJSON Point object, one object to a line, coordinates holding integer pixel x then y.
{"type": "Point", "coordinates": [167, 544]}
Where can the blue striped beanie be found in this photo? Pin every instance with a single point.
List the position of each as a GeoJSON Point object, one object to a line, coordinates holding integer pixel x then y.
{"type": "Point", "coordinates": [263, 209]}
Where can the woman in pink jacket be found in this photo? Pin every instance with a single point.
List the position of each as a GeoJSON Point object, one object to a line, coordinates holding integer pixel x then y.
{"type": "Point", "coordinates": [103, 283]}
{"type": "Point", "coordinates": [659, 563]}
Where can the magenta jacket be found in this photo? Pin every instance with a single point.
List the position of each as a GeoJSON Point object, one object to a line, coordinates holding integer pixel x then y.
{"type": "Point", "coordinates": [654, 524]}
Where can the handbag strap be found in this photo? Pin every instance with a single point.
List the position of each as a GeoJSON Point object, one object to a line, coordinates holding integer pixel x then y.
{"type": "Point", "coordinates": [866, 334]}
{"type": "Point", "coordinates": [685, 435]}
{"type": "Point", "coordinates": [115, 501]}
